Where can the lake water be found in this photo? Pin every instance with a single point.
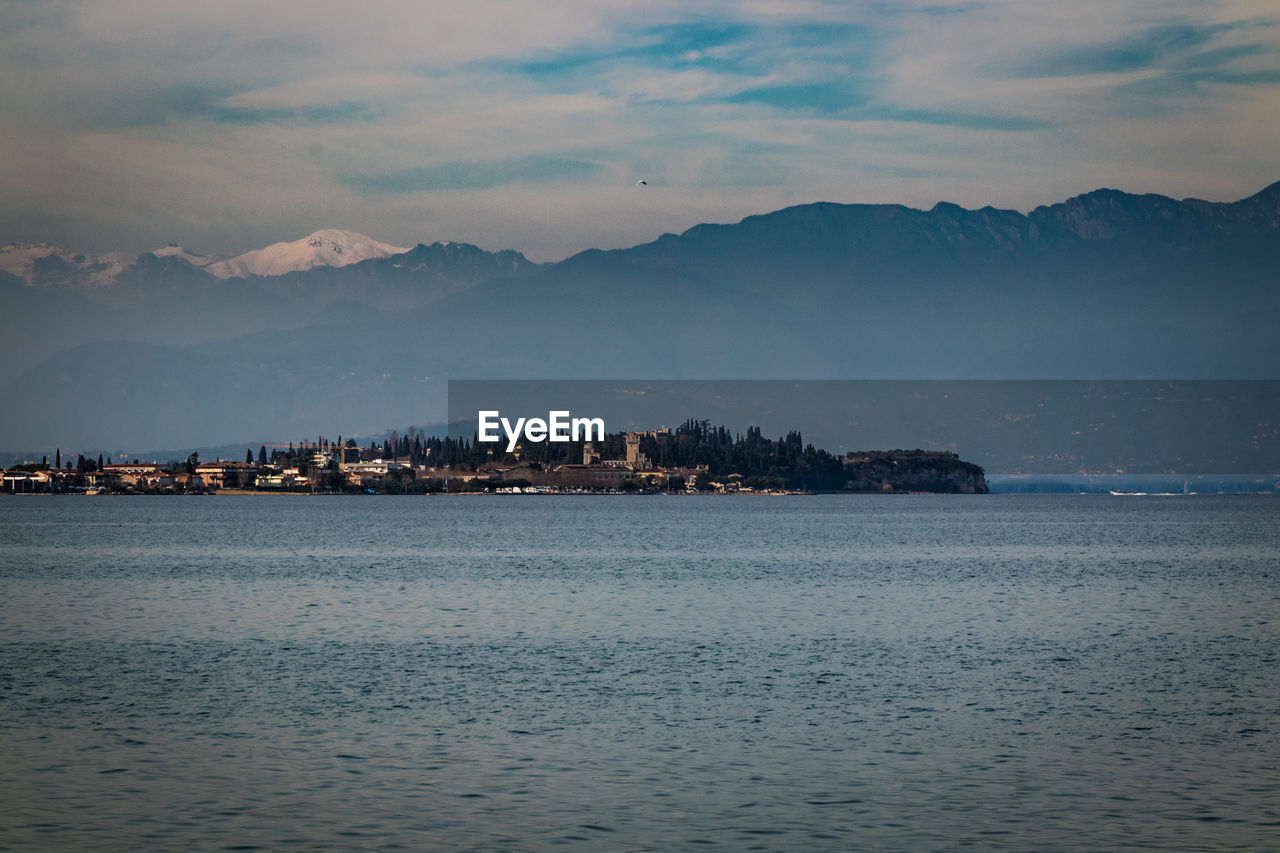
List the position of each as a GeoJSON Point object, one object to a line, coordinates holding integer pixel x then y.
{"type": "Point", "coordinates": [640, 673]}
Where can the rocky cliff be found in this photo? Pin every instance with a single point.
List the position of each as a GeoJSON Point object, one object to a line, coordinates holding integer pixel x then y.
{"type": "Point", "coordinates": [913, 471]}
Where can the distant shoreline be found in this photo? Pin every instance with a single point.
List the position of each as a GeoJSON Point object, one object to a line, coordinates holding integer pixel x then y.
{"type": "Point", "coordinates": [269, 493]}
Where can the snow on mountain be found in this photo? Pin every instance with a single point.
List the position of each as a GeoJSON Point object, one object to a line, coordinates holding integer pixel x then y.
{"type": "Point", "coordinates": [18, 258]}
{"type": "Point", "coordinates": [41, 263]}
{"type": "Point", "coordinates": [331, 247]}
{"type": "Point", "coordinates": [176, 251]}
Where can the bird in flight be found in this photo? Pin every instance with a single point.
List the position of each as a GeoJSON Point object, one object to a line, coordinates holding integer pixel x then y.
{"type": "Point", "coordinates": [642, 183]}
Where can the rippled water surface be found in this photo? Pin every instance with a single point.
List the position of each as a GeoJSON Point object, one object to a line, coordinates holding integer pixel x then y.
{"type": "Point", "coordinates": [617, 673]}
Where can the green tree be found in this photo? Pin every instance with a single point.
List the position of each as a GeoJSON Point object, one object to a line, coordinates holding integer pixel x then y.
{"type": "Point", "coordinates": [335, 479]}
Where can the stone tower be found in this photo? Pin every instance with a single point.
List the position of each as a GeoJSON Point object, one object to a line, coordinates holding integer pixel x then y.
{"type": "Point", "coordinates": [633, 449]}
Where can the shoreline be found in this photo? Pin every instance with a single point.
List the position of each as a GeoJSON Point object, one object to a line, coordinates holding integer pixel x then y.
{"type": "Point", "coordinates": [269, 493]}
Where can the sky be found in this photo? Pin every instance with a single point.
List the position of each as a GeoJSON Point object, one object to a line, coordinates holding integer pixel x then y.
{"type": "Point", "coordinates": [131, 124]}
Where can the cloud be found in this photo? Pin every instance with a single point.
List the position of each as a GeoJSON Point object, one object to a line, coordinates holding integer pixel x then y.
{"type": "Point", "coordinates": [407, 120]}
{"type": "Point", "coordinates": [1151, 47]}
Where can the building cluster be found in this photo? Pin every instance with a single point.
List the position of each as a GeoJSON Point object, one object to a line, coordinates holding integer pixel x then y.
{"type": "Point", "coordinates": [133, 476]}
{"type": "Point", "coordinates": [635, 470]}
{"type": "Point", "coordinates": [212, 476]}
{"type": "Point", "coordinates": [347, 469]}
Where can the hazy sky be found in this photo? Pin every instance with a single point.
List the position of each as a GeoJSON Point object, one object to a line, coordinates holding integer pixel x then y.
{"type": "Point", "coordinates": [225, 126]}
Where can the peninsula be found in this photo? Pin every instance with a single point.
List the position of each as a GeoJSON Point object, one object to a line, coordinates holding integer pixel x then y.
{"type": "Point", "coordinates": [693, 458]}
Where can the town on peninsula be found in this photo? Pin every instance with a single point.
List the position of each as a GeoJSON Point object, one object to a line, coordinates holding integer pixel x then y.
{"type": "Point", "coordinates": [694, 458]}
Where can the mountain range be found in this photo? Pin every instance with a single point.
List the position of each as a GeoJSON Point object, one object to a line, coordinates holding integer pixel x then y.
{"type": "Point", "coordinates": [339, 332]}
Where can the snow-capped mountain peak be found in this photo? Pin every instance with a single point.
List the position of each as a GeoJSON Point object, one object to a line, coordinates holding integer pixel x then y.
{"type": "Point", "coordinates": [331, 247]}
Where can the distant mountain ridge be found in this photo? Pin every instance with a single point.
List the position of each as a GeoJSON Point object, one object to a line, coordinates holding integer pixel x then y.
{"type": "Point", "coordinates": [171, 296]}
{"type": "Point", "coordinates": [1107, 214]}
{"type": "Point", "coordinates": [1104, 285]}
{"type": "Point", "coordinates": [46, 265]}
{"type": "Point", "coordinates": [1100, 215]}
